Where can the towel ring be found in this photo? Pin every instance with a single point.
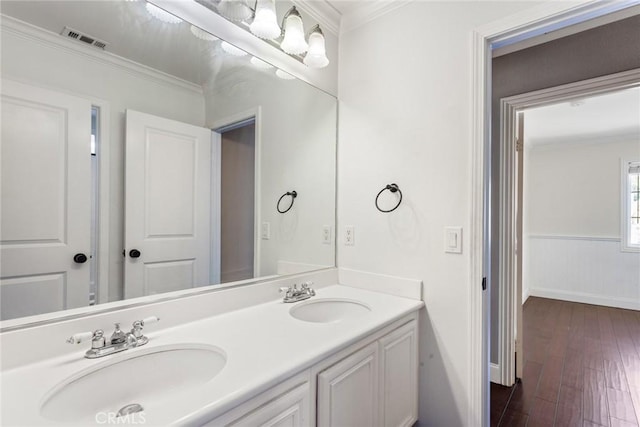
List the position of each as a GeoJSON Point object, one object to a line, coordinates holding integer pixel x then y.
{"type": "Point", "coordinates": [293, 195]}
{"type": "Point", "coordinates": [393, 188]}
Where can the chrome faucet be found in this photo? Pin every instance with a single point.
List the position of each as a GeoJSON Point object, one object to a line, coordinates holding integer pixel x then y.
{"type": "Point", "coordinates": [119, 340]}
{"type": "Point", "coordinates": [293, 294]}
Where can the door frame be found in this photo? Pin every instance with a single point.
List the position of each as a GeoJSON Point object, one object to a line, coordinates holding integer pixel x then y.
{"type": "Point", "coordinates": [103, 264]}
{"type": "Point", "coordinates": [255, 114]}
{"type": "Point", "coordinates": [526, 24]}
{"type": "Point", "coordinates": [509, 107]}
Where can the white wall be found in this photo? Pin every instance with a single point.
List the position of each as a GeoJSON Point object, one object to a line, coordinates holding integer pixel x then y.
{"type": "Point", "coordinates": [298, 152]}
{"type": "Point", "coordinates": [58, 65]}
{"type": "Point", "coordinates": [405, 100]}
{"type": "Point", "coordinates": [572, 213]}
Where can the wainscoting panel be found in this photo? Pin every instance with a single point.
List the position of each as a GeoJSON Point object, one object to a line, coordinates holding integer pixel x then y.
{"type": "Point", "coordinates": [581, 269]}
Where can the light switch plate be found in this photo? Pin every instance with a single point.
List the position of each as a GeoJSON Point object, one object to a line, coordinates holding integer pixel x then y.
{"type": "Point", "coordinates": [265, 231]}
{"type": "Point", "coordinates": [453, 240]}
{"type": "Point", "coordinates": [326, 234]}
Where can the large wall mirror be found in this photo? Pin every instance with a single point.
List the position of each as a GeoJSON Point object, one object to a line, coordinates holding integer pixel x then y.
{"type": "Point", "coordinates": [142, 155]}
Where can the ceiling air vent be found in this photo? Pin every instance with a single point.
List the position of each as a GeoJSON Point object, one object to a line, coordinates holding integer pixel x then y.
{"type": "Point", "coordinates": [85, 38]}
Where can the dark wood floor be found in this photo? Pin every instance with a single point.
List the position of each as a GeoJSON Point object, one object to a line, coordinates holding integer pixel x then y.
{"type": "Point", "coordinates": [582, 368]}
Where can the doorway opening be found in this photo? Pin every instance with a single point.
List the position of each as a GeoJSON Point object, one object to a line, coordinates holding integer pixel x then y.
{"type": "Point", "coordinates": [237, 200]}
{"type": "Point", "coordinates": [562, 224]}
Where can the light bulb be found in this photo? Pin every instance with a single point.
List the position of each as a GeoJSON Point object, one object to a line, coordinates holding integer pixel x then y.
{"type": "Point", "coordinates": [317, 55]}
{"type": "Point", "coordinates": [235, 10]}
{"type": "Point", "coordinates": [294, 42]}
{"type": "Point", "coordinates": [232, 50]}
{"type": "Point", "coordinates": [265, 23]}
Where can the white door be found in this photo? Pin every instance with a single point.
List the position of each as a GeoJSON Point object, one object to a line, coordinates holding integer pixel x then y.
{"type": "Point", "coordinates": [167, 205]}
{"type": "Point", "coordinates": [46, 185]}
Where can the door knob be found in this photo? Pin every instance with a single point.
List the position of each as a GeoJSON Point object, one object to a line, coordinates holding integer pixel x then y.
{"type": "Point", "coordinates": [80, 258]}
{"type": "Point", "coordinates": [134, 253]}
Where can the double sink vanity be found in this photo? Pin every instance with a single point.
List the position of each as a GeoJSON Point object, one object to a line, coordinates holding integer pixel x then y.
{"type": "Point", "coordinates": [337, 355]}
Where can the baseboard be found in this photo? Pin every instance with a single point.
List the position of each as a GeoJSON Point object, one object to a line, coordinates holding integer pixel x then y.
{"type": "Point", "coordinates": [494, 373]}
{"type": "Point", "coordinates": [525, 295]}
{"type": "Point", "coordinates": [626, 303]}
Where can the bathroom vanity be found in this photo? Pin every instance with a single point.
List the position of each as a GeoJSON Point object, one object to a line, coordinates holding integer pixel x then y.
{"type": "Point", "coordinates": [346, 356]}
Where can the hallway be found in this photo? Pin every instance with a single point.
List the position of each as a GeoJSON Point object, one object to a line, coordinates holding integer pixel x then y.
{"type": "Point", "coordinates": [582, 368]}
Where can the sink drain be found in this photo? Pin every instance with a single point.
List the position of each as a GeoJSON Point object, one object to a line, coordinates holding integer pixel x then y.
{"type": "Point", "coordinates": [132, 408]}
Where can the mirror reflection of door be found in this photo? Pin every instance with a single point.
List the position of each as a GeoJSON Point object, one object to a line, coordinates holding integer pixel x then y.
{"type": "Point", "coordinates": [45, 243]}
{"type": "Point", "coordinates": [237, 234]}
{"type": "Point", "coordinates": [167, 205]}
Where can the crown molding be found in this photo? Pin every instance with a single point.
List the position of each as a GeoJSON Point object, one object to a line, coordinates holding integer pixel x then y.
{"type": "Point", "coordinates": [368, 12]}
{"type": "Point", "coordinates": [10, 25]}
{"type": "Point", "coordinates": [322, 12]}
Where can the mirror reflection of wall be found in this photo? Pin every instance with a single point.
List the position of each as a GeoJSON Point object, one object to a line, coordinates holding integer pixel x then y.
{"type": "Point", "coordinates": [61, 200]}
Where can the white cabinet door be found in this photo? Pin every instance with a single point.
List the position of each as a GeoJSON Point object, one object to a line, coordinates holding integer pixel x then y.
{"type": "Point", "coordinates": [348, 390]}
{"type": "Point", "coordinates": [287, 404]}
{"type": "Point", "coordinates": [398, 377]}
{"type": "Point", "coordinates": [167, 205]}
{"type": "Point", "coordinates": [46, 185]}
{"type": "Point", "coordinates": [289, 410]}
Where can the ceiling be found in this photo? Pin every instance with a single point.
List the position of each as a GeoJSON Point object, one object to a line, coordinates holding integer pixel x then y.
{"type": "Point", "coordinates": [585, 119]}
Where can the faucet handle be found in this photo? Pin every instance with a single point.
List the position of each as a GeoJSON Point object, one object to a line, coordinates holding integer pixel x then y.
{"type": "Point", "coordinates": [138, 324]}
{"type": "Point", "coordinates": [83, 336]}
{"type": "Point", "coordinates": [149, 320]}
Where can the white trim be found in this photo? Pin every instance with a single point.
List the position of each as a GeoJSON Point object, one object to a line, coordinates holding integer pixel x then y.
{"type": "Point", "coordinates": [54, 41]}
{"type": "Point", "coordinates": [478, 326]}
{"type": "Point", "coordinates": [323, 13]}
{"type": "Point", "coordinates": [558, 237]}
{"type": "Point", "coordinates": [624, 209]}
{"type": "Point", "coordinates": [585, 298]}
{"type": "Point", "coordinates": [103, 257]}
{"type": "Point", "coordinates": [256, 114]}
{"type": "Point", "coordinates": [495, 373]}
{"type": "Point", "coordinates": [216, 171]}
{"type": "Point", "coordinates": [479, 301]}
{"type": "Point", "coordinates": [525, 294]}
{"type": "Point", "coordinates": [367, 12]}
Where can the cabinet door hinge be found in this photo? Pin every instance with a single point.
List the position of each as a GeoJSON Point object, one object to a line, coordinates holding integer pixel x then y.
{"type": "Point", "coordinates": [484, 283]}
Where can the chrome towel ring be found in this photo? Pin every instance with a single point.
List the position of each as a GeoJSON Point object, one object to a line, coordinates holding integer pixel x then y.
{"type": "Point", "coordinates": [394, 189]}
{"type": "Point", "coordinates": [293, 195]}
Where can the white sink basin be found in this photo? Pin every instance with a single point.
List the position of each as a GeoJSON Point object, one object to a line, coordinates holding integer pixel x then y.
{"type": "Point", "coordinates": [328, 310]}
{"type": "Point", "coordinates": [145, 377]}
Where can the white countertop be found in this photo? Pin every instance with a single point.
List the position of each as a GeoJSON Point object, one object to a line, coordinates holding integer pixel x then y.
{"type": "Point", "coordinates": [264, 345]}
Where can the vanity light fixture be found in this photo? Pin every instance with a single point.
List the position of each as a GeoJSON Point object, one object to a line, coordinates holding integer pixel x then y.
{"type": "Point", "coordinates": [265, 22]}
{"type": "Point", "coordinates": [293, 42]}
{"type": "Point", "coordinates": [316, 57]}
{"type": "Point", "coordinates": [162, 15]}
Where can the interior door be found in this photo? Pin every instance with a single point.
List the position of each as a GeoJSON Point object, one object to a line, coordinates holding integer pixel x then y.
{"type": "Point", "coordinates": [46, 200]}
{"type": "Point", "coordinates": [167, 205]}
